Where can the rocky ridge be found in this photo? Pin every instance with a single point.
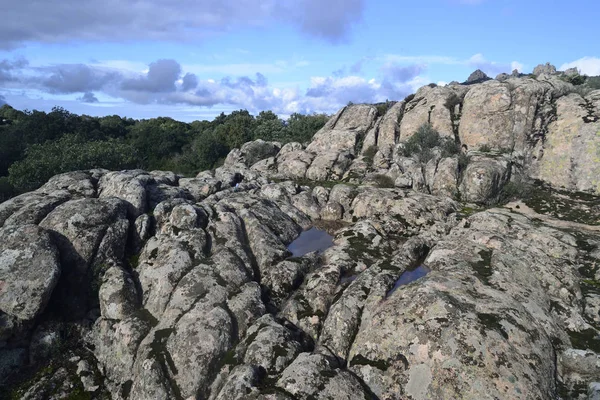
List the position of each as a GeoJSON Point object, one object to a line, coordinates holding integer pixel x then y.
{"type": "Point", "coordinates": [139, 285]}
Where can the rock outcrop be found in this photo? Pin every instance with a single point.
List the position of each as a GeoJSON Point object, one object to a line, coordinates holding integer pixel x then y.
{"type": "Point", "coordinates": [148, 285]}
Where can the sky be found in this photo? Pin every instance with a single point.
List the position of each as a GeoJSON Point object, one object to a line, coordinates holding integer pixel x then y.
{"type": "Point", "coordinates": [193, 59]}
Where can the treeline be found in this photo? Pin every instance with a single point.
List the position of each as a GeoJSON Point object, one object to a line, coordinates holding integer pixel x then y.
{"type": "Point", "coordinates": [35, 145]}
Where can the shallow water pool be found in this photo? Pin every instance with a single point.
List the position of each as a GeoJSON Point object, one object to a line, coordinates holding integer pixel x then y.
{"type": "Point", "coordinates": [409, 276]}
{"type": "Point", "coordinates": [311, 240]}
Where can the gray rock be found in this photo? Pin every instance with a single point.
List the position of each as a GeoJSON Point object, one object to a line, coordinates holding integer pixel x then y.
{"type": "Point", "coordinates": [252, 152]}
{"type": "Point", "coordinates": [45, 342]}
{"type": "Point", "coordinates": [477, 76]}
{"type": "Point", "coordinates": [78, 184]}
{"type": "Point", "coordinates": [91, 235]}
{"type": "Point", "coordinates": [544, 69]}
{"type": "Point", "coordinates": [571, 71]}
{"type": "Point", "coordinates": [29, 270]}
{"type": "Point", "coordinates": [312, 376]}
{"type": "Point", "coordinates": [129, 186]}
{"type": "Point", "coordinates": [484, 178]}
{"type": "Point", "coordinates": [118, 295]}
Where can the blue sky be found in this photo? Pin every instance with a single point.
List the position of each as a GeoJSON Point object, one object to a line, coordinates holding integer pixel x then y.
{"type": "Point", "coordinates": [192, 59]}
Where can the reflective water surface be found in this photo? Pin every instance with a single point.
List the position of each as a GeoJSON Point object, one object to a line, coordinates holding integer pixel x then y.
{"type": "Point", "coordinates": [311, 240]}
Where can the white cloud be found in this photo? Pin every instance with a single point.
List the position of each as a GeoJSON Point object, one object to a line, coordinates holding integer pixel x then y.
{"type": "Point", "coordinates": [587, 65]}
{"type": "Point", "coordinates": [516, 65]}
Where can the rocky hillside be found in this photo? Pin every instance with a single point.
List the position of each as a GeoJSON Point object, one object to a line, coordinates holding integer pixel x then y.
{"type": "Point", "coordinates": [465, 266]}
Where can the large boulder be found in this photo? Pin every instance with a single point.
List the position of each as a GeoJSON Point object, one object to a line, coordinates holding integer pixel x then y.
{"type": "Point", "coordinates": [484, 178]}
{"type": "Point", "coordinates": [343, 130]}
{"type": "Point", "coordinates": [544, 69]}
{"type": "Point", "coordinates": [91, 235]}
{"type": "Point", "coordinates": [29, 270]}
{"type": "Point", "coordinates": [570, 156]}
{"type": "Point", "coordinates": [252, 152]}
{"type": "Point", "coordinates": [436, 106]}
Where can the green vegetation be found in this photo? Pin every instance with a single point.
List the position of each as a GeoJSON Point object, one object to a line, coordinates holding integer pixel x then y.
{"type": "Point", "coordinates": [35, 145]}
{"type": "Point", "coordinates": [452, 101]}
{"type": "Point", "coordinates": [574, 79]}
{"type": "Point", "coordinates": [382, 108]}
{"type": "Point", "coordinates": [383, 181]}
{"type": "Point", "coordinates": [517, 189]}
{"type": "Point", "coordinates": [369, 154]}
{"type": "Point", "coordinates": [421, 144]}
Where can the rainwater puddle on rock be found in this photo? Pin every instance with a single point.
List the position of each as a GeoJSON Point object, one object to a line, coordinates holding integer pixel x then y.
{"type": "Point", "coordinates": [311, 240]}
{"type": "Point", "coordinates": [408, 277]}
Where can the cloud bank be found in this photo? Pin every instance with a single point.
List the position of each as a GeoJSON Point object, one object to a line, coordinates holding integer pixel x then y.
{"type": "Point", "coordinates": [60, 21]}
{"type": "Point", "coordinates": [166, 82]}
{"type": "Point", "coordinates": [586, 65]}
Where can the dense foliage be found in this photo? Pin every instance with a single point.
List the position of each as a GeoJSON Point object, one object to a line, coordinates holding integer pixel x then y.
{"type": "Point", "coordinates": [35, 145]}
{"type": "Point", "coordinates": [422, 143]}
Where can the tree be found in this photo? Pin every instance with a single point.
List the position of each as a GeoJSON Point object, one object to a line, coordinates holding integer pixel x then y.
{"type": "Point", "coordinates": [236, 129]}
{"type": "Point", "coordinates": [69, 153]}
{"type": "Point", "coordinates": [158, 139]}
{"type": "Point", "coordinates": [301, 128]}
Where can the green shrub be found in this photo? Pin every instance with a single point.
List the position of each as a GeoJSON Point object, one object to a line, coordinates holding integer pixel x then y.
{"type": "Point", "coordinates": [382, 108]}
{"type": "Point", "coordinates": [593, 82]}
{"type": "Point", "coordinates": [369, 154]}
{"type": "Point", "coordinates": [574, 80]}
{"type": "Point", "coordinates": [69, 153]}
{"type": "Point", "coordinates": [485, 148]}
{"type": "Point", "coordinates": [452, 101]}
{"type": "Point", "coordinates": [383, 181]}
{"type": "Point", "coordinates": [426, 138]}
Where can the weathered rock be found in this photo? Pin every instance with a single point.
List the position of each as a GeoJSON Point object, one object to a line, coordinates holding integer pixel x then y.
{"type": "Point", "coordinates": [118, 296]}
{"type": "Point", "coordinates": [252, 152]}
{"type": "Point", "coordinates": [433, 106]}
{"type": "Point", "coordinates": [29, 270]}
{"type": "Point", "coordinates": [484, 178]}
{"type": "Point", "coordinates": [78, 183]}
{"type": "Point", "coordinates": [30, 208]}
{"type": "Point", "coordinates": [477, 76]}
{"type": "Point", "coordinates": [199, 188]}
{"type": "Point", "coordinates": [502, 77]}
{"type": "Point", "coordinates": [340, 133]}
{"type": "Point", "coordinates": [544, 69]}
{"type": "Point", "coordinates": [312, 376]}
{"type": "Point", "coordinates": [129, 186]}
{"type": "Point", "coordinates": [570, 156]}
{"type": "Point", "coordinates": [445, 178]}
{"type": "Point", "coordinates": [91, 235]}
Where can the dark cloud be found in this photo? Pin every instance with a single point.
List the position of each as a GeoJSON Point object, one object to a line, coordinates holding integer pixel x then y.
{"type": "Point", "coordinates": [115, 20]}
{"type": "Point", "coordinates": [245, 82]}
{"type": "Point", "coordinates": [88, 97]}
{"type": "Point", "coordinates": [330, 21]}
{"type": "Point", "coordinates": [161, 77]}
{"type": "Point", "coordinates": [190, 82]}
{"type": "Point", "coordinates": [76, 78]}
{"type": "Point", "coordinates": [9, 67]}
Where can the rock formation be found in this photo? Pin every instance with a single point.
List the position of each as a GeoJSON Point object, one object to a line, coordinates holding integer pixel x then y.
{"type": "Point", "coordinates": [148, 285]}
